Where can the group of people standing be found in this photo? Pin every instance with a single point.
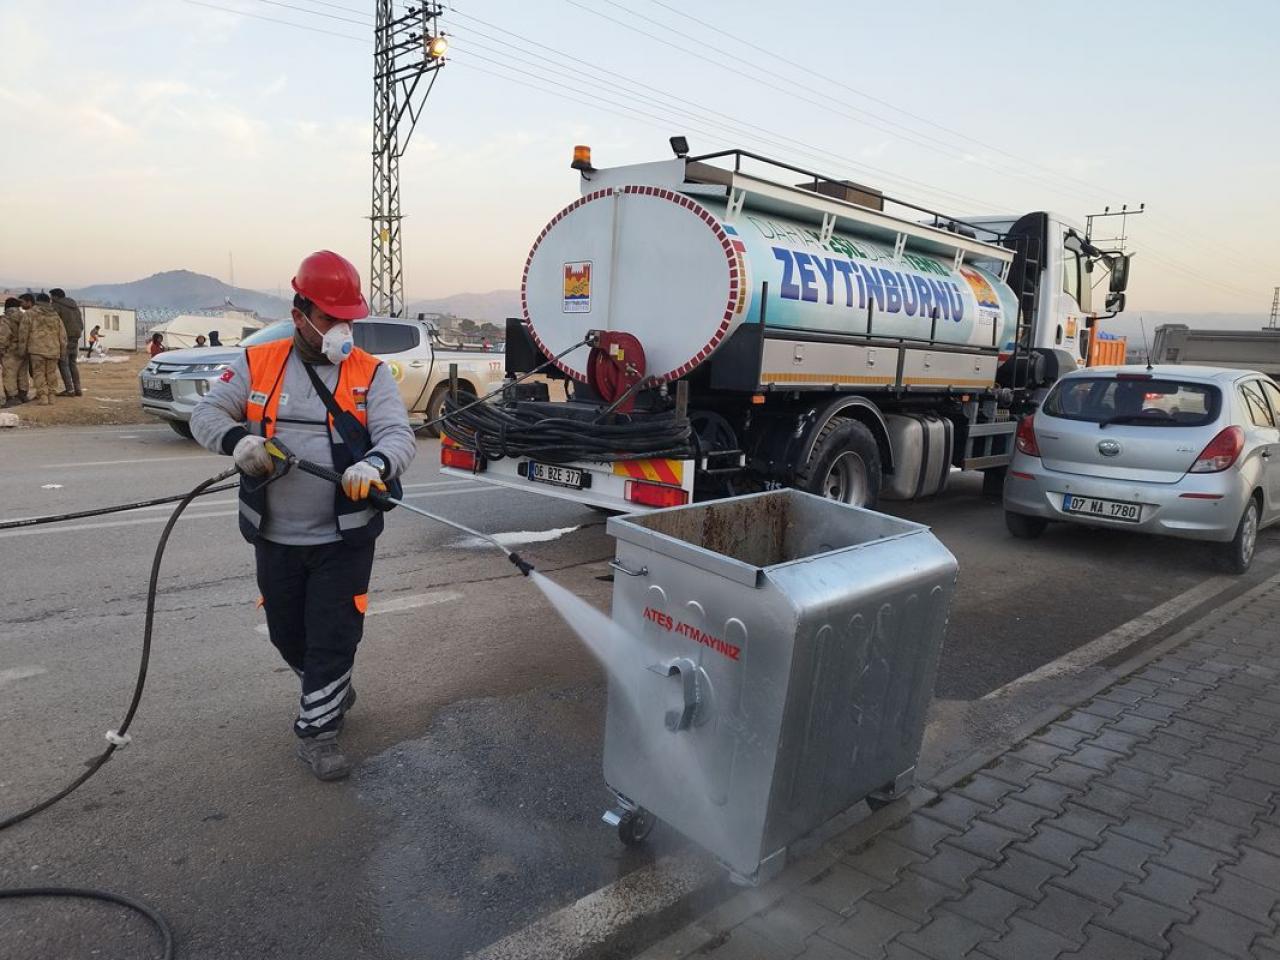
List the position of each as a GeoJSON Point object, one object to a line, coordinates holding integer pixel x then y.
{"type": "Point", "coordinates": [40, 342]}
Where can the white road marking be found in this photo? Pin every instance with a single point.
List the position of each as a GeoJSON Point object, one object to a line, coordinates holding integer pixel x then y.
{"type": "Point", "coordinates": [398, 605]}
{"type": "Point", "coordinates": [19, 673]}
{"type": "Point", "coordinates": [104, 524]}
{"type": "Point", "coordinates": [50, 486]}
{"type": "Point", "coordinates": [168, 507]}
{"type": "Point", "coordinates": [518, 538]}
{"type": "Point", "coordinates": [1115, 640]}
{"type": "Point", "coordinates": [113, 463]}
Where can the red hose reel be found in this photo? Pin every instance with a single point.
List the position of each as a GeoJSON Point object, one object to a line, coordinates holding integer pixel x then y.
{"type": "Point", "coordinates": [616, 364]}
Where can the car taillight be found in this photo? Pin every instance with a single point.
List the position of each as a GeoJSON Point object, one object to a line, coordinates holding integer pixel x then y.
{"type": "Point", "coordinates": [1025, 439]}
{"type": "Point", "coordinates": [1221, 452]}
{"type": "Point", "coordinates": [458, 458]}
{"type": "Point", "coordinates": [655, 494]}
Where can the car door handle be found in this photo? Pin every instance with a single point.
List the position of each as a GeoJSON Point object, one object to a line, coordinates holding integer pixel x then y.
{"type": "Point", "coordinates": [1266, 454]}
{"type": "Point", "coordinates": [417, 364]}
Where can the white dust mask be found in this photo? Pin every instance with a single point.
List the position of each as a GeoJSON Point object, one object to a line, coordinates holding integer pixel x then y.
{"type": "Point", "coordinates": [337, 342]}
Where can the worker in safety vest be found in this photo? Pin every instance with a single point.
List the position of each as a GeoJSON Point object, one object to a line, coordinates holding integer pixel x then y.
{"type": "Point", "coordinates": [333, 404]}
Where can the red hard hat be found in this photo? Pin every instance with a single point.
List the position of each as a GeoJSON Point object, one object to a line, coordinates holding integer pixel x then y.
{"type": "Point", "coordinates": [332, 283]}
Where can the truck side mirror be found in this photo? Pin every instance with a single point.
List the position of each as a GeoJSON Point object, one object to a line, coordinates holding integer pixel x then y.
{"type": "Point", "coordinates": [1119, 276]}
{"type": "Point", "coordinates": [1115, 301]}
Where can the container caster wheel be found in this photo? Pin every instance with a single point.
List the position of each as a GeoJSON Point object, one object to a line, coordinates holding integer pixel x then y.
{"type": "Point", "coordinates": [635, 826]}
{"type": "Point", "coordinates": [875, 803]}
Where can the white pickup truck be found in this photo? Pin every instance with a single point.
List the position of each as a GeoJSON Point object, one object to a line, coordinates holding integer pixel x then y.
{"type": "Point", "coordinates": [175, 380]}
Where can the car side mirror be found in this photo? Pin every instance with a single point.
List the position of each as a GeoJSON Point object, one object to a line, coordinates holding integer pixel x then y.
{"type": "Point", "coordinates": [1115, 302]}
{"type": "Point", "coordinates": [1119, 276]}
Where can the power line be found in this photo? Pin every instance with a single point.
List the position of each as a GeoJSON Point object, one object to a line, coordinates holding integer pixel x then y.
{"type": "Point", "coordinates": [286, 23]}
{"type": "Point", "coordinates": [647, 118]}
{"type": "Point", "coordinates": [317, 13]}
{"type": "Point", "coordinates": [858, 115]}
{"type": "Point", "coordinates": [774, 55]}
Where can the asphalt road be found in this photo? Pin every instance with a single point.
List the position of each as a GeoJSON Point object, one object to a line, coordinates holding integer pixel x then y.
{"type": "Point", "coordinates": [475, 805]}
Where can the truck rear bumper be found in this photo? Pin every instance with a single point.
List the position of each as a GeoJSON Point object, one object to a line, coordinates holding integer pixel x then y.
{"type": "Point", "coordinates": [607, 483]}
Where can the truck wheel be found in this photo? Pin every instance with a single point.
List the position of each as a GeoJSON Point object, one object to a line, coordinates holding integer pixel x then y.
{"type": "Point", "coordinates": [181, 428]}
{"type": "Point", "coordinates": [1237, 555]}
{"type": "Point", "coordinates": [1024, 527]}
{"type": "Point", "coordinates": [844, 465]}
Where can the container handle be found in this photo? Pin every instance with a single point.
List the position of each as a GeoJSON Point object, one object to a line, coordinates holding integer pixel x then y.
{"type": "Point", "coordinates": [622, 568]}
{"type": "Point", "coordinates": [682, 719]}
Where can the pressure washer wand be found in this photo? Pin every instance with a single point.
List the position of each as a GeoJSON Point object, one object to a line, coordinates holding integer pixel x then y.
{"type": "Point", "coordinates": [381, 498]}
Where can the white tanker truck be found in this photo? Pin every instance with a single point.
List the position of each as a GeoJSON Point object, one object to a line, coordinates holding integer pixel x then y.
{"type": "Point", "coordinates": [722, 330]}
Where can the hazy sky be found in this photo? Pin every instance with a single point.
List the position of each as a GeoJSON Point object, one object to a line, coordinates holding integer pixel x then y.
{"type": "Point", "coordinates": [146, 135]}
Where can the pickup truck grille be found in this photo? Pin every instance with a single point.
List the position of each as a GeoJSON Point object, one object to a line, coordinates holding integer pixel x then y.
{"type": "Point", "coordinates": [164, 392]}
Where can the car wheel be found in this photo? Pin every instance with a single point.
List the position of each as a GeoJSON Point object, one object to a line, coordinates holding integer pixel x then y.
{"type": "Point", "coordinates": [844, 465]}
{"type": "Point", "coordinates": [181, 428]}
{"type": "Point", "coordinates": [435, 407]}
{"type": "Point", "coordinates": [1024, 527]}
{"type": "Point", "coordinates": [1237, 555]}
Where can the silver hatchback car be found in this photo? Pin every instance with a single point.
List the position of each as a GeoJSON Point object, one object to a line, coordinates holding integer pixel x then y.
{"type": "Point", "coordinates": [1190, 452]}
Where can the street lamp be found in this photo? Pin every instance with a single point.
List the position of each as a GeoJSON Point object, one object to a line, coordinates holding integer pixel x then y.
{"type": "Point", "coordinates": [437, 46]}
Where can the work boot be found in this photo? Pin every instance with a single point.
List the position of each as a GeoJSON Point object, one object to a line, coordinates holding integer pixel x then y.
{"type": "Point", "coordinates": [323, 755]}
{"type": "Point", "coordinates": [64, 393]}
{"type": "Point", "coordinates": [25, 398]}
{"type": "Point", "coordinates": [349, 700]}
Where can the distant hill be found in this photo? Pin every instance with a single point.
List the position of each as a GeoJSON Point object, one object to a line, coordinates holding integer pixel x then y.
{"type": "Point", "coordinates": [182, 290]}
{"type": "Point", "coordinates": [494, 306]}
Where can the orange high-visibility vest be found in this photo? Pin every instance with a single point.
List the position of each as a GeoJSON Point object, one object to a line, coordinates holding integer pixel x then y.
{"type": "Point", "coordinates": [266, 373]}
{"type": "Point", "coordinates": [357, 523]}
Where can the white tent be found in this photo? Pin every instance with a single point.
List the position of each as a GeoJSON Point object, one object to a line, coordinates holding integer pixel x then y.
{"type": "Point", "coordinates": [182, 330]}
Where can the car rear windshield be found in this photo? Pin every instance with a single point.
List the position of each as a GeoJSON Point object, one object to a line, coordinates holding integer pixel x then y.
{"type": "Point", "coordinates": [1156, 403]}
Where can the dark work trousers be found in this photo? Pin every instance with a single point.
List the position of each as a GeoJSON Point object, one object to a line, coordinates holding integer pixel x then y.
{"type": "Point", "coordinates": [315, 598]}
{"type": "Point", "coordinates": [69, 367]}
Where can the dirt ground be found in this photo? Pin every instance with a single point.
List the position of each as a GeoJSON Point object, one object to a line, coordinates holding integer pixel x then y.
{"type": "Point", "coordinates": [111, 395]}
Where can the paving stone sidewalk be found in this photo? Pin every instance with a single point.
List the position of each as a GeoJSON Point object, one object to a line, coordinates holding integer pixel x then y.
{"type": "Point", "coordinates": [1142, 824]}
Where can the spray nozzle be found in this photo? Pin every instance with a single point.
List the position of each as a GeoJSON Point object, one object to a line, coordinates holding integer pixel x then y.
{"type": "Point", "coordinates": [521, 564]}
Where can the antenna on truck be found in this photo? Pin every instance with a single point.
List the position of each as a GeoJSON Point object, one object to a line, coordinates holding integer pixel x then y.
{"type": "Point", "coordinates": [1146, 348]}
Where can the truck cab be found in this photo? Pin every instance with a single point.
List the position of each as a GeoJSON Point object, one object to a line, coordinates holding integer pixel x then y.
{"type": "Point", "coordinates": [1054, 273]}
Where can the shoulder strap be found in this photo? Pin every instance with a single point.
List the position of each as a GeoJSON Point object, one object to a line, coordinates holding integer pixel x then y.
{"type": "Point", "coordinates": [326, 395]}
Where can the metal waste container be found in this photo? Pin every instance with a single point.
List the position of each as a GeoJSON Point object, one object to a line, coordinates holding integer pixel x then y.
{"type": "Point", "coordinates": [781, 656]}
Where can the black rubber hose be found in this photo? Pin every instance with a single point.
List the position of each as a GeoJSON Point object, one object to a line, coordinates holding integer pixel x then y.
{"type": "Point", "coordinates": [101, 511]}
{"type": "Point", "coordinates": [97, 762]}
{"type": "Point", "coordinates": [158, 922]}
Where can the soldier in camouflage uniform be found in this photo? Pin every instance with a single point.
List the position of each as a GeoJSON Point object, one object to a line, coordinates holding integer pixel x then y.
{"type": "Point", "coordinates": [16, 380]}
{"type": "Point", "coordinates": [46, 344]}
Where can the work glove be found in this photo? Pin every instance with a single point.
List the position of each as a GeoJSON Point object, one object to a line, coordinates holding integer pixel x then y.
{"type": "Point", "coordinates": [251, 456]}
{"type": "Point", "coordinates": [359, 477]}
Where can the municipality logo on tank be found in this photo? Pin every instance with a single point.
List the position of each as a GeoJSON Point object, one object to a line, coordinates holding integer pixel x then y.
{"type": "Point", "coordinates": [1109, 448]}
{"type": "Point", "coordinates": [577, 287]}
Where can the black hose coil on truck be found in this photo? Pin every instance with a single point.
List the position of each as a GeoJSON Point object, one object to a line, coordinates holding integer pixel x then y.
{"type": "Point", "coordinates": [496, 430]}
